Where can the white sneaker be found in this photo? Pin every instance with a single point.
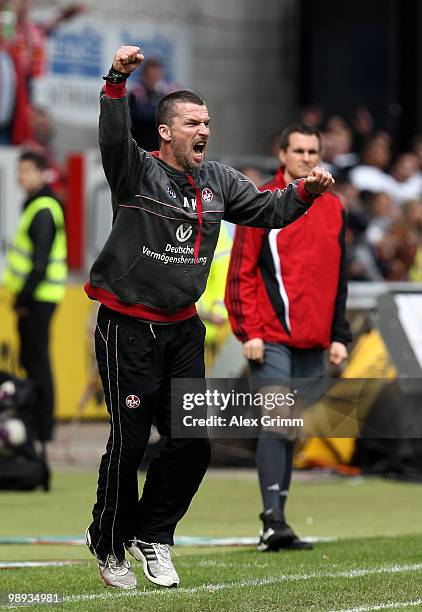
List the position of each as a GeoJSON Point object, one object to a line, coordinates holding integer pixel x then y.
{"type": "Point", "coordinates": [156, 562]}
{"type": "Point", "coordinates": [115, 573]}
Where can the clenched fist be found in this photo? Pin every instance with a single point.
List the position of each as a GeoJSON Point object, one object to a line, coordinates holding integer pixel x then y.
{"type": "Point", "coordinates": [338, 353]}
{"type": "Point", "coordinates": [127, 59]}
{"type": "Point", "coordinates": [318, 181]}
{"type": "Point", "coordinates": [254, 350]}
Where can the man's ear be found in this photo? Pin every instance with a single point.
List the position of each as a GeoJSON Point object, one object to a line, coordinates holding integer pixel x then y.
{"type": "Point", "coordinates": [164, 131]}
{"type": "Point", "coordinates": [282, 156]}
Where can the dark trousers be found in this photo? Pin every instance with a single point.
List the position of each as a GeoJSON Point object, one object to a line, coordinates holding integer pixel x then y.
{"type": "Point", "coordinates": [136, 362]}
{"type": "Point", "coordinates": [34, 328]}
{"type": "Point", "coordinates": [274, 453]}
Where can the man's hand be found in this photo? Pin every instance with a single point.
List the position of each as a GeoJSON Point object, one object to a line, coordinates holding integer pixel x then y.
{"type": "Point", "coordinates": [338, 353]}
{"type": "Point", "coordinates": [318, 181]}
{"type": "Point", "coordinates": [215, 319]}
{"type": "Point", "coordinates": [21, 310]}
{"type": "Point", "coordinates": [127, 59]}
{"type": "Point", "coordinates": [254, 350]}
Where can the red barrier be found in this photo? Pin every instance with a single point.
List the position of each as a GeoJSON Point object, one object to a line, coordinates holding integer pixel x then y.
{"type": "Point", "coordinates": [75, 211]}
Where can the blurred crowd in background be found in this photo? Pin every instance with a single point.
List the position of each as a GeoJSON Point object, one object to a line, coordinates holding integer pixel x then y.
{"type": "Point", "coordinates": [381, 190]}
{"type": "Point", "coordinates": [379, 185]}
{"type": "Point", "coordinates": [23, 58]}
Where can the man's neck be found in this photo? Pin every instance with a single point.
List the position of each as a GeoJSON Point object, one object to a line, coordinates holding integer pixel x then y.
{"type": "Point", "coordinates": [287, 176]}
{"type": "Point", "coordinates": [170, 160]}
{"type": "Point", "coordinates": [30, 193]}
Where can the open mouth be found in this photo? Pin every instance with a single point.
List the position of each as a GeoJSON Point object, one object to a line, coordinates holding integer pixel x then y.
{"type": "Point", "coordinates": [199, 149]}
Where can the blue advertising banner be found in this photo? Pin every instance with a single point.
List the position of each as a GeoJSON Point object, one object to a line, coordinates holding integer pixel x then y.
{"type": "Point", "coordinates": [80, 53]}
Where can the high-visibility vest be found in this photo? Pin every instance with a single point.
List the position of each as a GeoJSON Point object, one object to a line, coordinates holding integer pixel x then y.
{"type": "Point", "coordinates": [19, 263]}
{"type": "Point", "coordinates": [212, 301]}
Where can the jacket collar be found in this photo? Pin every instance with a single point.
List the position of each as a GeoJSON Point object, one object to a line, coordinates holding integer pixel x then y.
{"type": "Point", "coordinates": [177, 174]}
{"type": "Point", "coordinates": [279, 177]}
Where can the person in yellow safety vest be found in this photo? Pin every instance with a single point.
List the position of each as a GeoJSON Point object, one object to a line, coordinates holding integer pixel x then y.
{"type": "Point", "coordinates": [35, 274]}
{"type": "Point", "coordinates": [211, 307]}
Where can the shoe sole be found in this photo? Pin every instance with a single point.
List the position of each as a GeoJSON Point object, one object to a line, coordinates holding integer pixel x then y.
{"type": "Point", "coordinates": [137, 554]}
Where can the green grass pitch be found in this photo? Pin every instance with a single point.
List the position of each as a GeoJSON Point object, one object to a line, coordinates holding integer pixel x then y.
{"type": "Point", "coordinates": [375, 564]}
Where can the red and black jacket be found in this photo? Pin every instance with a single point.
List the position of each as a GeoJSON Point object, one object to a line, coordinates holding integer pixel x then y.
{"type": "Point", "coordinates": [290, 285]}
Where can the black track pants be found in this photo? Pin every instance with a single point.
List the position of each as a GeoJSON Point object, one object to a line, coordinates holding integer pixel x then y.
{"type": "Point", "coordinates": [34, 331]}
{"type": "Point", "coordinates": [136, 362]}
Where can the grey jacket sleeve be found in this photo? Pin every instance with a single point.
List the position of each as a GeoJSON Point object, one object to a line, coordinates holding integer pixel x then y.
{"type": "Point", "coordinates": [122, 158]}
{"type": "Point", "coordinates": [246, 205]}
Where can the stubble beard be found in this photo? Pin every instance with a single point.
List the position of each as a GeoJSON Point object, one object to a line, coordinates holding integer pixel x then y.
{"type": "Point", "coordinates": [183, 160]}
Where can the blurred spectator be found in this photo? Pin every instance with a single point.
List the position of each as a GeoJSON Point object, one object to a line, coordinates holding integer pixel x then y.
{"type": "Point", "coordinates": [329, 152]}
{"type": "Point", "coordinates": [391, 240]}
{"type": "Point", "coordinates": [42, 142]}
{"type": "Point", "coordinates": [370, 174]}
{"type": "Point", "coordinates": [338, 145]}
{"type": "Point", "coordinates": [41, 127]}
{"type": "Point", "coordinates": [357, 216]}
{"type": "Point", "coordinates": [363, 126]}
{"type": "Point", "coordinates": [411, 240]}
{"type": "Point", "coordinates": [312, 116]}
{"type": "Point", "coordinates": [22, 58]}
{"type": "Point", "coordinates": [143, 100]}
{"type": "Point", "coordinates": [405, 171]}
{"type": "Point", "coordinates": [30, 37]}
{"type": "Point", "coordinates": [7, 78]}
{"type": "Point", "coordinates": [417, 148]}
{"type": "Point", "coordinates": [362, 263]}
{"type": "Point", "coordinates": [412, 215]}
{"type": "Point", "coordinates": [14, 110]}
{"type": "Point", "coordinates": [35, 275]}
{"type": "Point", "coordinates": [382, 213]}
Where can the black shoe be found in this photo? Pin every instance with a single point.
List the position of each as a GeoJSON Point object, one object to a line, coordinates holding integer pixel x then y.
{"type": "Point", "coordinates": [275, 534]}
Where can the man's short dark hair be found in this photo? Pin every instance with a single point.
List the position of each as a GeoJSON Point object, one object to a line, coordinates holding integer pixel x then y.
{"type": "Point", "coordinates": [166, 108]}
{"type": "Point", "coordinates": [38, 159]}
{"type": "Point", "coordinates": [300, 128]}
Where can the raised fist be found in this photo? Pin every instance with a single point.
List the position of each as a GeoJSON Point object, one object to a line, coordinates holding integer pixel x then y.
{"type": "Point", "coordinates": [127, 59]}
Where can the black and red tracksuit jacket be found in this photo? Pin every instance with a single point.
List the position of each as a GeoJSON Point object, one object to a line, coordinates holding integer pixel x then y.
{"type": "Point", "coordinates": [289, 285]}
{"type": "Point", "coordinates": [156, 260]}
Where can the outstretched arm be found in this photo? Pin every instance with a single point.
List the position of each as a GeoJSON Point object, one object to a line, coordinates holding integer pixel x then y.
{"type": "Point", "coordinates": [246, 205]}
{"type": "Point", "coordinates": [122, 159]}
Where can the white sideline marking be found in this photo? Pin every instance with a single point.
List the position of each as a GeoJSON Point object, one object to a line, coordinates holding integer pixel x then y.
{"type": "Point", "coordinates": [19, 564]}
{"type": "Point", "coordinates": [210, 588]}
{"type": "Point", "coordinates": [384, 606]}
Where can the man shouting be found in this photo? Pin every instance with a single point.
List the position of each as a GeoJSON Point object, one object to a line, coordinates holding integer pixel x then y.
{"type": "Point", "coordinates": [167, 209]}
